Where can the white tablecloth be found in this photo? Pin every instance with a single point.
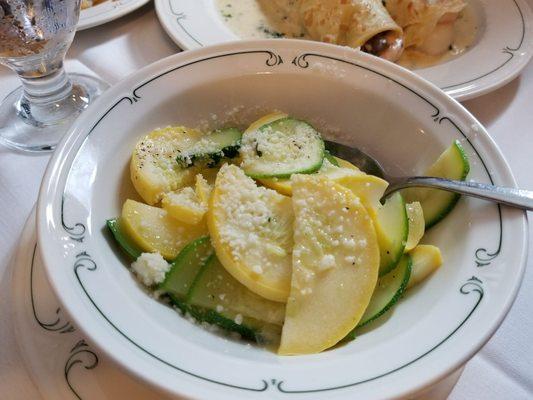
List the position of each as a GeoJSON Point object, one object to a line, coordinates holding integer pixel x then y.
{"type": "Point", "coordinates": [502, 370]}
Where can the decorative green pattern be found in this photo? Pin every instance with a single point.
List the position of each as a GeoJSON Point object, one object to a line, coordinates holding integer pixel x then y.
{"type": "Point", "coordinates": [179, 17]}
{"type": "Point", "coordinates": [56, 325]}
{"type": "Point", "coordinates": [75, 232]}
{"type": "Point", "coordinates": [79, 355]}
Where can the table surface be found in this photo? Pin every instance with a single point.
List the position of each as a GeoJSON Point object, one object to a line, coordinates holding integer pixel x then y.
{"type": "Point", "coordinates": [503, 369]}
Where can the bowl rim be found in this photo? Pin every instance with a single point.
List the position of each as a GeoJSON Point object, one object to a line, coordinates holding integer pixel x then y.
{"type": "Point", "coordinates": [69, 144]}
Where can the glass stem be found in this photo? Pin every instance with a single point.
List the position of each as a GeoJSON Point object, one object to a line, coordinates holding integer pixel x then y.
{"type": "Point", "coordinates": [52, 87]}
{"type": "Point", "coordinates": [48, 95]}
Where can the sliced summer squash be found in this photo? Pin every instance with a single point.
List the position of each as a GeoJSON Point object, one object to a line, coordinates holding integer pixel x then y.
{"type": "Point", "coordinates": [184, 269]}
{"type": "Point", "coordinates": [186, 278]}
{"type": "Point", "coordinates": [281, 148]}
{"type": "Point", "coordinates": [426, 260]}
{"type": "Point", "coordinates": [184, 205]}
{"type": "Point", "coordinates": [209, 175]}
{"type": "Point", "coordinates": [216, 289]}
{"type": "Point", "coordinates": [368, 188]}
{"type": "Point", "coordinates": [153, 230]}
{"type": "Point", "coordinates": [203, 189]}
{"type": "Point", "coordinates": [332, 159]}
{"type": "Point", "coordinates": [197, 284]}
{"type": "Point", "coordinates": [130, 248]}
{"type": "Point", "coordinates": [335, 265]}
{"type": "Point", "coordinates": [153, 166]}
{"type": "Point", "coordinates": [437, 204]}
{"type": "Point", "coordinates": [389, 290]}
{"type": "Point", "coordinates": [265, 120]}
{"type": "Point", "coordinates": [251, 230]}
{"type": "Point", "coordinates": [346, 164]}
{"type": "Point", "coordinates": [417, 225]}
{"type": "Point", "coordinates": [211, 148]}
{"type": "Point", "coordinates": [283, 185]}
{"type": "Point", "coordinates": [392, 228]}
{"type": "Point", "coordinates": [214, 318]}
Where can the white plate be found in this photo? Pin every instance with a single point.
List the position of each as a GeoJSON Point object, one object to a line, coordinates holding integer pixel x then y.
{"type": "Point", "coordinates": [107, 11]}
{"type": "Point", "coordinates": [352, 97]}
{"type": "Point", "coordinates": [503, 48]}
{"type": "Point", "coordinates": [61, 362]}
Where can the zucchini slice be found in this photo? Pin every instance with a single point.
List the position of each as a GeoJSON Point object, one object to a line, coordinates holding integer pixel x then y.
{"type": "Point", "coordinates": [217, 298]}
{"type": "Point", "coordinates": [185, 268]}
{"type": "Point", "coordinates": [212, 317]}
{"type": "Point", "coordinates": [392, 228]}
{"type": "Point", "coordinates": [281, 148]}
{"type": "Point", "coordinates": [210, 149]}
{"type": "Point", "coordinates": [389, 290]}
{"type": "Point", "coordinates": [214, 288]}
{"type": "Point", "coordinates": [331, 158]}
{"type": "Point", "coordinates": [437, 204]}
{"type": "Point", "coordinates": [198, 284]}
{"type": "Point", "coordinates": [130, 248]}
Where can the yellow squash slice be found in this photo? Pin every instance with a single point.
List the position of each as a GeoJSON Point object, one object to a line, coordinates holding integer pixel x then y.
{"type": "Point", "coordinates": [426, 260]}
{"type": "Point", "coordinates": [368, 188]}
{"type": "Point", "coordinates": [417, 224]}
{"type": "Point", "coordinates": [267, 119]}
{"type": "Point", "coordinates": [203, 189]}
{"type": "Point", "coordinates": [251, 230]}
{"type": "Point", "coordinates": [346, 164]}
{"type": "Point", "coordinates": [184, 205]}
{"type": "Point", "coordinates": [153, 230]}
{"type": "Point", "coordinates": [153, 167]}
{"type": "Point", "coordinates": [335, 265]}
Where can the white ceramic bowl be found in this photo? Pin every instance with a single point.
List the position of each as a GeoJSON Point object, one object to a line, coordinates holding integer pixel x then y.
{"type": "Point", "coordinates": [357, 99]}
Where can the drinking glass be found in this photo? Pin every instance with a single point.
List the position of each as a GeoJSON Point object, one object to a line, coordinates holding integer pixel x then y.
{"type": "Point", "coordinates": [34, 38]}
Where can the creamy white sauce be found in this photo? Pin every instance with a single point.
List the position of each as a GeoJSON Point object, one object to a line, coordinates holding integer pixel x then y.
{"type": "Point", "coordinates": [464, 36]}
{"type": "Point", "coordinates": [248, 20]}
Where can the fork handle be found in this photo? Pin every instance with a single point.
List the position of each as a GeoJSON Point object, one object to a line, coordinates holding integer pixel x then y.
{"type": "Point", "coordinates": [518, 198]}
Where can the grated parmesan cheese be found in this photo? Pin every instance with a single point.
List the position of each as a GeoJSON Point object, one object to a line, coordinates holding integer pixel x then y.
{"type": "Point", "coordinates": [184, 205]}
{"type": "Point", "coordinates": [327, 262]}
{"type": "Point", "coordinates": [150, 268]}
{"type": "Point", "coordinates": [257, 223]}
{"type": "Point", "coordinates": [185, 197]}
